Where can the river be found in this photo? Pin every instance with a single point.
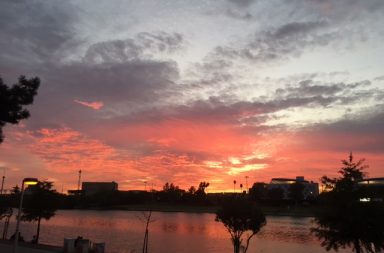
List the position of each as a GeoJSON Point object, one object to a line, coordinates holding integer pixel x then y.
{"type": "Point", "coordinates": [123, 232]}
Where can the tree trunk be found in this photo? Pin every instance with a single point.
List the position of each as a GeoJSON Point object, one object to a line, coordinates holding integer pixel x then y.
{"type": "Point", "coordinates": [356, 244]}
{"type": "Point", "coordinates": [38, 230]}
{"type": "Point", "coordinates": [236, 245]}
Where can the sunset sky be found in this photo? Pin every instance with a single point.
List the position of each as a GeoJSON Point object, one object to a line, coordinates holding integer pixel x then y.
{"type": "Point", "coordinates": [188, 91]}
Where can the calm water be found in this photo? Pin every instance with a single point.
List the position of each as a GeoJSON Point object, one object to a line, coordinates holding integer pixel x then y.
{"type": "Point", "coordinates": [123, 232]}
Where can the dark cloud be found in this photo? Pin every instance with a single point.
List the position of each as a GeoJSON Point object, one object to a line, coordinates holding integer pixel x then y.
{"type": "Point", "coordinates": [121, 75]}
{"type": "Point", "coordinates": [242, 3]}
{"type": "Point", "coordinates": [282, 42]}
{"type": "Point", "coordinates": [349, 7]}
{"type": "Point", "coordinates": [143, 45]}
{"type": "Point", "coordinates": [296, 29]}
{"type": "Point", "coordinates": [239, 14]}
{"type": "Point", "coordinates": [312, 88]}
{"type": "Point", "coordinates": [359, 132]}
{"type": "Point", "coordinates": [235, 112]}
{"type": "Point", "coordinates": [121, 87]}
{"type": "Point", "coordinates": [35, 31]}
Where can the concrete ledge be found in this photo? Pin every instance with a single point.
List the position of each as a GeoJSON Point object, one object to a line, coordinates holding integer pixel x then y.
{"type": "Point", "coordinates": [24, 247]}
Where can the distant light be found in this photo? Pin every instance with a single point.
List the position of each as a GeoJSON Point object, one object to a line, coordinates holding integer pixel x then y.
{"type": "Point", "coordinates": [30, 181]}
{"type": "Point", "coordinates": [365, 199]}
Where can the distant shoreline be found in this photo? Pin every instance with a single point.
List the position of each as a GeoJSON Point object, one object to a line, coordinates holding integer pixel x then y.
{"type": "Point", "coordinates": [268, 210]}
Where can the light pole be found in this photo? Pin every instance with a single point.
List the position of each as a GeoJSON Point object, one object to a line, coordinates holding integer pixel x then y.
{"type": "Point", "coordinates": [2, 183]}
{"type": "Point", "coordinates": [26, 181]}
{"type": "Point", "coordinates": [246, 183]}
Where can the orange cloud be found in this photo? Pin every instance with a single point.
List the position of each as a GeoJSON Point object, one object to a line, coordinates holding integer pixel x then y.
{"type": "Point", "coordinates": [182, 152]}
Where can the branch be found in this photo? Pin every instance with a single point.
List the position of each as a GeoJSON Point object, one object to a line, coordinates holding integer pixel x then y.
{"type": "Point", "coordinates": [247, 244]}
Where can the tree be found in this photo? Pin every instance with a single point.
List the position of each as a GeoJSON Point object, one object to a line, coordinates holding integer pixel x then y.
{"type": "Point", "coordinates": [242, 220]}
{"type": "Point", "coordinates": [13, 100]}
{"type": "Point", "coordinates": [171, 192]}
{"type": "Point", "coordinates": [15, 190]}
{"type": "Point", "coordinates": [42, 203]}
{"type": "Point", "coordinates": [5, 206]}
{"type": "Point", "coordinates": [6, 212]}
{"type": "Point", "coordinates": [192, 190]}
{"type": "Point", "coordinates": [351, 172]}
{"type": "Point", "coordinates": [147, 219]}
{"type": "Point", "coordinates": [234, 186]}
{"type": "Point", "coordinates": [344, 221]}
{"type": "Point", "coordinates": [201, 189]}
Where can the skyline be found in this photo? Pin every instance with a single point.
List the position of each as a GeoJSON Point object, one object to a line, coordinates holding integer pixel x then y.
{"type": "Point", "coordinates": [167, 91]}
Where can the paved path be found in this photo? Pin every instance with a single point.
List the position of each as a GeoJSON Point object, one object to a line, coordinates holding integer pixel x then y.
{"type": "Point", "coordinates": [7, 247]}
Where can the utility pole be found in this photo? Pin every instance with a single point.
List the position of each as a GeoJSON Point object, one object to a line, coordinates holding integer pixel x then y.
{"type": "Point", "coordinates": [246, 183]}
{"type": "Point", "coordinates": [78, 183]}
{"type": "Point", "coordinates": [2, 182]}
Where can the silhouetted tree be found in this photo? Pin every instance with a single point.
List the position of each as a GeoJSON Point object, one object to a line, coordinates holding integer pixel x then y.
{"type": "Point", "coordinates": [201, 188]}
{"type": "Point", "coordinates": [6, 212]}
{"type": "Point", "coordinates": [242, 220]}
{"type": "Point", "coordinates": [13, 99]}
{"type": "Point", "coordinates": [192, 190]}
{"type": "Point", "coordinates": [42, 203]}
{"type": "Point", "coordinates": [15, 190]}
{"type": "Point", "coordinates": [345, 221]}
{"type": "Point", "coordinates": [234, 186]}
{"type": "Point", "coordinates": [171, 192]}
{"type": "Point", "coordinates": [351, 173]}
{"type": "Point", "coordinates": [147, 219]}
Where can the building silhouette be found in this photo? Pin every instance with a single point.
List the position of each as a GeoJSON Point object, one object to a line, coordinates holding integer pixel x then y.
{"type": "Point", "coordinates": [310, 188]}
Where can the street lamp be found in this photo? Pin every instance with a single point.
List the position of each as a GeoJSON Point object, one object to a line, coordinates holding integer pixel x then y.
{"type": "Point", "coordinates": [26, 181]}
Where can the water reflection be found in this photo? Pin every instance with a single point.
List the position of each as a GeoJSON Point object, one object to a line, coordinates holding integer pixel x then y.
{"type": "Point", "coordinates": [288, 229]}
{"type": "Point", "coordinates": [123, 232]}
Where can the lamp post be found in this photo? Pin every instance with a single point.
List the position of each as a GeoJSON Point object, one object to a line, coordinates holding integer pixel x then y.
{"type": "Point", "coordinates": [26, 181]}
{"type": "Point", "coordinates": [2, 183]}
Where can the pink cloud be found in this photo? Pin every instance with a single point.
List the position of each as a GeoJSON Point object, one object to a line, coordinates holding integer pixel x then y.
{"type": "Point", "coordinates": [97, 105]}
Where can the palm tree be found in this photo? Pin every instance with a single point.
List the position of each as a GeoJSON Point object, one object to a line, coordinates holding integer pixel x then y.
{"type": "Point", "coordinates": [234, 185]}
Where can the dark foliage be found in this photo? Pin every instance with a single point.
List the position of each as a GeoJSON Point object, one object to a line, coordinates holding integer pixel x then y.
{"type": "Point", "coordinates": [13, 99]}
{"type": "Point", "coordinates": [347, 222]}
{"type": "Point", "coordinates": [351, 173]}
{"type": "Point", "coordinates": [5, 206]}
{"type": "Point", "coordinates": [201, 189]}
{"type": "Point", "coordinates": [242, 220]}
{"type": "Point", "coordinates": [40, 203]}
